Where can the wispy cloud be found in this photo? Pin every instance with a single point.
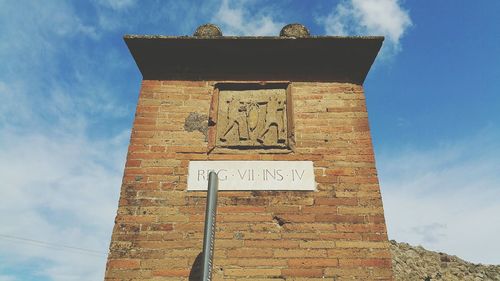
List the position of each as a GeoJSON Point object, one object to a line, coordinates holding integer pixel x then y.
{"type": "Point", "coordinates": [446, 198]}
{"type": "Point", "coordinates": [236, 18]}
{"type": "Point", "coordinates": [61, 189]}
{"type": "Point", "coordinates": [369, 17]}
{"type": "Point", "coordinates": [118, 4]}
{"type": "Point", "coordinates": [60, 167]}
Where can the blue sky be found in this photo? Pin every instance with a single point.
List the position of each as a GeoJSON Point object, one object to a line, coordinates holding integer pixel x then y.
{"type": "Point", "coordinates": [68, 89]}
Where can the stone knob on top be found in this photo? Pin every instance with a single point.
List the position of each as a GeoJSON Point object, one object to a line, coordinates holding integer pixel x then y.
{"type": "Point", "coordinates": [208, 31]}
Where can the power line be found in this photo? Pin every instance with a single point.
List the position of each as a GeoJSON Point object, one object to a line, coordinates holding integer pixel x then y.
{"type": "Point", "coordinates": [49, 245]}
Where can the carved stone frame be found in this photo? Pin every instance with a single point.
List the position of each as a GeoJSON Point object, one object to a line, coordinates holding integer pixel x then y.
{"type": "Point", "coordinates": [213, 114]}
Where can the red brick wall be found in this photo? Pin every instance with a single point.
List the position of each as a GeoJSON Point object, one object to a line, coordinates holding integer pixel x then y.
{"type": "Point", "coordinates": [337, 232]}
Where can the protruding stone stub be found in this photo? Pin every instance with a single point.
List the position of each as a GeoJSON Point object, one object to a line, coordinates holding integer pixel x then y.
{"type": "Point", "coordinates": [208, 30]}
{"type": "Point", "coordinates": [294, 30]}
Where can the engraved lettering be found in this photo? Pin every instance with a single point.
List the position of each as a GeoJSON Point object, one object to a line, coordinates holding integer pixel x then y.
{"type": "Point", "coordinates": [253, 175]}
{"type": "Point", "coordinates": [279, 175]}
{"type": "Point", "coordinates": [269, 174]}
{"type": "Point", "coordinates": [297, 173]}
{"type": "Point", "coordinates": [242, 176]}
{"type": "Point", "coordinates": [221, 176]}
{"type": "Point", "coordinates": [201, 173]}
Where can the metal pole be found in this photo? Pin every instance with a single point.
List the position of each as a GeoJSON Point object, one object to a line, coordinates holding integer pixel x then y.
{"type": "Point", "coordinates": [209, 237]}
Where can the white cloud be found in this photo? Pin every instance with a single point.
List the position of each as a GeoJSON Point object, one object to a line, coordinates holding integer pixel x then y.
{"type": "Point", "coordinates": [369, 17]}
{"type": "Point", "coordinates": [60, 189]}
{"type": "Point", "coordinates": [118, 4]}
{"type": "Point", "coordinates": [39, 19]}
{"type": "Point", "coordinates": [446, 198]}
{"type": "Point", "coordinates": [235, 18]}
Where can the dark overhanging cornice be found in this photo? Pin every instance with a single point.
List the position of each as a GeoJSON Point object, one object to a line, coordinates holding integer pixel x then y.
{"type": "Point", "coordinates": [310, 59]}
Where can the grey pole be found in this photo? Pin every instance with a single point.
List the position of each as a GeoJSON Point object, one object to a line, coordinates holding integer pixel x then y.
{"type": "Point", "coordinates": [209, 236]}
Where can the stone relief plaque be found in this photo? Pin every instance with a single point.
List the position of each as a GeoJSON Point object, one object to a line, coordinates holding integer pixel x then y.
{"type": "Point", "coordinates": [254, 118]}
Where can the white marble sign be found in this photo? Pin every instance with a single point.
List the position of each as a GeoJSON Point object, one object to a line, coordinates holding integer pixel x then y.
{"type": "Point", "coordinates": [253, 175]}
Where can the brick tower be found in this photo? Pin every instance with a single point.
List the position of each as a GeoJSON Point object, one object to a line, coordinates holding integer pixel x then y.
{"type": "Point", "coordinates": [283, 121]}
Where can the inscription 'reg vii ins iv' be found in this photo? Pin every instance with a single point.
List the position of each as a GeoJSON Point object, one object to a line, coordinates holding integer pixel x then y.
{"type": "Point", "coordinates": [252, 118]}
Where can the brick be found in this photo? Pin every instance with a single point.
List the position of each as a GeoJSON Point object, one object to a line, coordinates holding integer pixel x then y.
{"type": "Point", "coordinates": [336, 201]}
{"type": "Point", "coordinates": [342, 273]}
{"type": "Point", "coordinates": [261, 262]}
{"type": "Point", "coordinates": [239, 209]}
{"type": "Point", "coordinates": [359, 210]}
{"type": "Point", "coordinates": [135, 219]}
{"type": "Point", "coordinates": [172, 272]}
{"type": "Point", "coordinates": [282, 244]}
{"type": "Point", "coordinates": [339, 218]}
{"type": "Point", "coordinates": [302, 272]}
{"type": "Point", "coordinates": [313, 262]}
{"type": "Point", "coordinates": [309, 227]}
{"type": "Point", "coordinates": [245, 218]}
{"type": "Point", "coordinates": [318, 244]}
{"type": "Point", "coordinates": [157, 227]}
{"type": "Point", "coordinates": [361, 244]}
{"type": "Point", "coordinates": [295, 218]}
{"type": "Point", "coordinates": [250, 253]}
{"type": "Point", "coordinates": [124, 263]}
{"type": "Point", "coordinates": [365, 262]}
{"type": "Point", "coordinates": [161, 263]}
{"type": "Point", "coordinates": [320, 210]}
{"type": "Point", "coordinates": [252, 272]}
{"type": "Point", "coordinates": [292, 253]}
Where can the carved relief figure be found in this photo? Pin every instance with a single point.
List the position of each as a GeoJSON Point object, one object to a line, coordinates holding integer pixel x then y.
{"type": "Point", "coordinates": [274, 118]}
{"type": "Point", "coordinates": [236, 116]}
